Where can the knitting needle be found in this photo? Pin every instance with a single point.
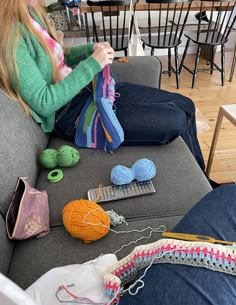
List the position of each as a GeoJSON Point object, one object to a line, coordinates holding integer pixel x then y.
{"type": "Point", "coordinates": [193, 237]}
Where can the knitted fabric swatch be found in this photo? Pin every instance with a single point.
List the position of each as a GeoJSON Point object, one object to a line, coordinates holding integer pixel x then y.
{"type": "Point", "coordinates": [197, 254]}
{"type": "Point", "coordinates": [98, 126]}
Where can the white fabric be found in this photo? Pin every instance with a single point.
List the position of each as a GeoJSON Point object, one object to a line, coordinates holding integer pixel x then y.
{"type": "Point", "coordinates": [87, 280]}
{"type": "Point", "coordinates": [11, 294]}
{"type": "Point", "coordinates": [135, 43]}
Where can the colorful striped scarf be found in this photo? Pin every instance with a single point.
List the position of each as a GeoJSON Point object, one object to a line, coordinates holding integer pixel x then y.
{"type": "Point", "coordinates": [98, 126]}
{"type": "Point", "coordinates": [215, 257]}
{"type": "Point", "coordinates": [56, 49]}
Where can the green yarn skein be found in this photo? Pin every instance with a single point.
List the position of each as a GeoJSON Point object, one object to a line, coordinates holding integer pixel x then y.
{"type": "Point", "coordinates": [65, 156]}
{"type": "Point", "coordinates": [48, 158]}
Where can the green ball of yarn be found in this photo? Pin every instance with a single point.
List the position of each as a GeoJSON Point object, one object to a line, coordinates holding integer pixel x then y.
{"type": "Point", "coordinates": [48, 158]}
{"type": "Point", "coordinates": [67, 156]}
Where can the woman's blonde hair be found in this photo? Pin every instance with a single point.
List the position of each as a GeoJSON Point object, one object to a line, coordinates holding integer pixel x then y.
{"type": "Point", "coordinates": [12, 13]}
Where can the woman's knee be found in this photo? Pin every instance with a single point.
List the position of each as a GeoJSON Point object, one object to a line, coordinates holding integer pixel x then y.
{"type": "Point", "coordinates": [222, 197]}
{"type": "Point", "coordinates": [185, 103]}
{"type": "Point", "coordinates": [213, 215]}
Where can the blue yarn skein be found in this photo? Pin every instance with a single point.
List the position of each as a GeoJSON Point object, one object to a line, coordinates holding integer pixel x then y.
{"type": "Point", "coordinates": [121, 175]}
{"type": "Point", "coordinates": [141, 170]}
{"type": "Point", "coordinates": [144, 169]}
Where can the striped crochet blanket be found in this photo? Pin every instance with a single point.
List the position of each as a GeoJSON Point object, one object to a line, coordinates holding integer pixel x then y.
{"type": "Point", "coordinates": [215, 257]}
{"type": "Point", "coordinates": [98, 126]}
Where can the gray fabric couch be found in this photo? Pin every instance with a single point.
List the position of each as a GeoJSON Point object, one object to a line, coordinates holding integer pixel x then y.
{"type": "Point", "coordinates": [179, 185]}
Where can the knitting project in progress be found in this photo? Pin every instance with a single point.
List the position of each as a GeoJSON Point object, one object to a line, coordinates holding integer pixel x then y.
{"type": "Point", "coordinates": [98, 126]}
{"type": "Point", "coordinates": [215, 257]}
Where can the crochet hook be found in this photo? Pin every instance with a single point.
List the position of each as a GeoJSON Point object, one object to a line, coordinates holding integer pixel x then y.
{"type": "Point", "coordinates": [193, 237]}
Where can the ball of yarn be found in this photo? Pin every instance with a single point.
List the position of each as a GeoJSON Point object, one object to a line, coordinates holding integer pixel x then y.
{"type": "Point", "coordinates": [121, 175]}
{"type": "Point", "coordinates": [67, 156]}
{"type": "Point", "coordinates": [48, 158]}
{"type": "Point", "coordinates": [80, 223]}
{"type": "Point", "coordinates": [144, 169]}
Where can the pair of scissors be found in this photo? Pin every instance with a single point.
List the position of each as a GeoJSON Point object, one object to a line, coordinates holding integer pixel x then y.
{"type": "Point", "coordinates": [193, 237]}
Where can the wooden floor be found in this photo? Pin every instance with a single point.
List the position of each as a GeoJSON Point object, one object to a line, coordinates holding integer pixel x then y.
{"type": "Point", "coordinates": [208, 95]}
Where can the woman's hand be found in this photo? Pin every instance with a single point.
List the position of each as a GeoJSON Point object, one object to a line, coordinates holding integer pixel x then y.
{"type": "Point", "coordinates": [103, 43]}
{"type": "Point", "coordinates": [103, 53]}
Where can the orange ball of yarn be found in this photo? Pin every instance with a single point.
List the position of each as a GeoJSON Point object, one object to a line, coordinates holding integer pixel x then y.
{"type": "Point", "coordinates": [86, 220]}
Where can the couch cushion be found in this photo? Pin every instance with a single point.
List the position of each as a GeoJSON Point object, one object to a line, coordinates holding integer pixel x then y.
{"type": "Point", "coordinates": [179, 181]}
{"type": "Point", "coordinates": [143, 70]}
{"type": "Point", "coordinates": [32, 258]}
{"type": "Point", "coordinates": [6, 248]}
{"type": "Point", "coordinates": [21, 141]}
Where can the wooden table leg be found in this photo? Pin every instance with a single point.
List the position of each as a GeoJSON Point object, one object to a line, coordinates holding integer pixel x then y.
{"type": "Point", "coordinates": [68, 15]}
{"type": "Point", "coordinates": [214, 140]}
{"type": "Point", "coordinates": [233, 65]}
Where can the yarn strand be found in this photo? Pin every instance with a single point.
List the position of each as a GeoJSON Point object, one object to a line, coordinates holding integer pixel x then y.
{"type": "Point", "coordinates": [99, 192]}
{"type": "Point", "coordinates": [79, 300]}
{"type": "Point", "coordinates": [115, 218]}
{"type": "Point", "coordinates": [160, 229]}
{"type": "Point", "coordinates": [140, 280]}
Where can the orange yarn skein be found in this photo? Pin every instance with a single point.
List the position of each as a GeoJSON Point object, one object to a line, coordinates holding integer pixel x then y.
{"type": "Point", "coordinates": [86, 220]}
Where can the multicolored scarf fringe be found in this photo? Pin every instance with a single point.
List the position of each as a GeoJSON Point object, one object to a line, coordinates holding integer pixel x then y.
{"type": "Point", "coordinates": [197, 254]}
{"type": "Point", "coordinates": [98, 126]}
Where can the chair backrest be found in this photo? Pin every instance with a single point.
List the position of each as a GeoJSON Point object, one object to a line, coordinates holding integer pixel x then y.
{"type": "Point", "coordinates": [166, 21]}
{"type": "Point", "coordinates": [109, 21]}
{"type": "Point", "coordinates": [215, 21]}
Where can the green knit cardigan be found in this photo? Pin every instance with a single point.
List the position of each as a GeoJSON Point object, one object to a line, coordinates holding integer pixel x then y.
{"type": "Point", "coordinates": [35, 77]}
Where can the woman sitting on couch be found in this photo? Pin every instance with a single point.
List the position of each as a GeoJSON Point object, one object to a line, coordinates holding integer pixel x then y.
{"type": "Point", "coordinates": [52, 84]}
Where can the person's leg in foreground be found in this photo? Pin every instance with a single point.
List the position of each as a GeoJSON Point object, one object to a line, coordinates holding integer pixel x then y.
{"type": "Point", "coordinates": [151, 116]}
{"type": "Point", "coordinates": [215, 216]}
{"type": "Point", "coordinates": [148, 116]}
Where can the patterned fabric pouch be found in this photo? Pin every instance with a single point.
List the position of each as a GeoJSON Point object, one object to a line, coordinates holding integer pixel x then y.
{"type": "Point", "coordinates": [28, 213]}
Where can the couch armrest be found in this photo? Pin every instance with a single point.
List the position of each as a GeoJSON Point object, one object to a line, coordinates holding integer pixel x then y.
{"type": "Point", "coordinates": [143, 70]}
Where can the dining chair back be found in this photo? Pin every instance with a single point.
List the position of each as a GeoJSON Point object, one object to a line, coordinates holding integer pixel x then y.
{"type": "Point", "coordinates": [165, 23]}
{"type": "Point", "coordinates": [233, 63]}
{"type": "Point", "coordinates": [213, 29]}
{"type": "Point", "coordinates": [109, 21]}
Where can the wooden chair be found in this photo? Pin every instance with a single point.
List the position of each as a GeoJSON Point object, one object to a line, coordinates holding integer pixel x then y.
{"type": "Point", "coordinates": [210, 34]}
{"type": "Point", "coordinates": [109, 23]}
{"type": "Point", "coordinates": [233, 64]}
{"type": "Point", "coordinates": [165, 26]}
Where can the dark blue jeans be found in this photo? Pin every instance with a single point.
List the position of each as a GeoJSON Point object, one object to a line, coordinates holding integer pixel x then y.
{"type": "Point", "coordinates": [148, 116]}
{"type": "Point", "coordinates": [67, 116]}
{"type": "Point", "coordinates": [165, 284]}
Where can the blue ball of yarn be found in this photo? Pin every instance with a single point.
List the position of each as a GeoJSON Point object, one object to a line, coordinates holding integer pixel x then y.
{"type": "Point", "coordinates": [121, 175]}
{"type": "Point", "coordinates": [144, 169]}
